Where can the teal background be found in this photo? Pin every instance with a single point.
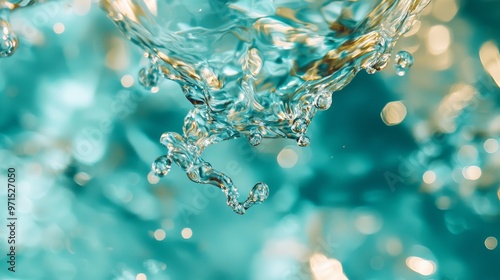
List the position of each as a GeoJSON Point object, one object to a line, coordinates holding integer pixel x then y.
{"type": "Point", "coordinates": [82, 145]}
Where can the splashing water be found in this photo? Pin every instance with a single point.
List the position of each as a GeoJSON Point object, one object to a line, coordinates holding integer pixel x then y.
{"type": "Point", "coordinates": [403, 62]}
{"type": "Point", "coordinates": [255, 68]}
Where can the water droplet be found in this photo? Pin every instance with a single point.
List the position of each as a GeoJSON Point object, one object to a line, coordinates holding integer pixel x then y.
{"type": "Point", "coordinates": [8, 40]}
{"type": "Point", "coordinates": [323, 101]}
{"type": "Point", "coordinates": [303, 141]}
{"type": "Point", "coordinates": [150, 76]}
{"type": "Point", "coordinates": [403, 62]}
{"type": "Point", "coordinates": [259, 193]}
{"type": "Point", "coordinates": [255, 139]}
{"type": "Point", "coordinates": [299, 125]}
{"type": "Point", "coordinates": [161, 166]}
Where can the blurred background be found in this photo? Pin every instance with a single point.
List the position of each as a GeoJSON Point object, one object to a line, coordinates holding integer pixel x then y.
{"type": "Point", "coordinates": [401, 180]}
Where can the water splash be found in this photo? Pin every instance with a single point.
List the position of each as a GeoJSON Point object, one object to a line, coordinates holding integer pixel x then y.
{"type": "Point", "coordinates": [259, 69]}
{"type": "Point", "coordinates": [252, 68]}
{"type": "Point", "coordinates": [403, 62]}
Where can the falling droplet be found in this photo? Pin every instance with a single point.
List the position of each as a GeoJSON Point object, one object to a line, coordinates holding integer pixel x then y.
{"type": "Point", "coordinates": [299, 125]}
{"type": "Point", "coordinates": [8, 40]}
{"type": "Point", "coordinates": [303, 141]}
{"type": "Point", "coordinates": [259, 193]}
{"type": "Point", "coordinates": [403, 62]}
{"type": "Point", "coordinates": [323, 101]}
{"type": "Point", "coordinates": [255, 139]}
{"type": "Point", "coordinates": [161, 166]}
{"type": "Point", "coordinates": [150, 76]}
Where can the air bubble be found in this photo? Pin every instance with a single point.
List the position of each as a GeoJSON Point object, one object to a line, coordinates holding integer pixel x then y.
{"type": "Point", "coordinates": [8, 40]}
{"type": "Point", "coordinates": [255, 139]}
{"type": "Point", "coordinates": [161, 166]}
{"type": "Point", "coordinates": [403, 62]}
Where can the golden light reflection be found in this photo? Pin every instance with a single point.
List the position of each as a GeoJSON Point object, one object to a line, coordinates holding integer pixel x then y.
{"type": "Point", "coordinates": [159, 234]}
{"type": "Point", "coordinates": [491, 146]}
{"type": "Point", "coordinates": [186, 233]}
{"type": "Point", "coordinates": [127, 81]}
{"type": "Point", "coordinates": [155, 89]}
{"type": "Point", "coordinates": [429, 177]}
{"type": "Point", "coordinates": [81, 7]}
{"type": "Point", "coordinates": [444, 10]}
{"type": "Point", "coordinates": [438, 39]}
{"type": "Point", "coordinates": [152, 6]}
{"type": "Point", "coordinates": [490, 58]}
{"type": "Point", "coordinates": [491, 243]}
{"type": "Point", "coordinates": [393, 113]}
{"type": "Point", "coordinates": [287, 158]}
{"type": "Point", "coordinates": [152, 178]}
{"type": "Point", "coordinates": [141, 276]}
{"type": "Point", "coordinates": [324, 268]}
{"type": "Point", "coordinates": [58, 28]}
{"type": "Point", "coordinates": [421, 266]}
{"type": "Point", "coordinates": [471, 172]}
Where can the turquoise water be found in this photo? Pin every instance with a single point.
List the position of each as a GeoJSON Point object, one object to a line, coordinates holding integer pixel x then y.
{"type": "Point", "coordinates": [399, 180]}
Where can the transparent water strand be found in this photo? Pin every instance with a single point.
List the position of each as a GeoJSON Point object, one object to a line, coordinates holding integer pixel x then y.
{"type": "Point", "coordinates": [188, 158]}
